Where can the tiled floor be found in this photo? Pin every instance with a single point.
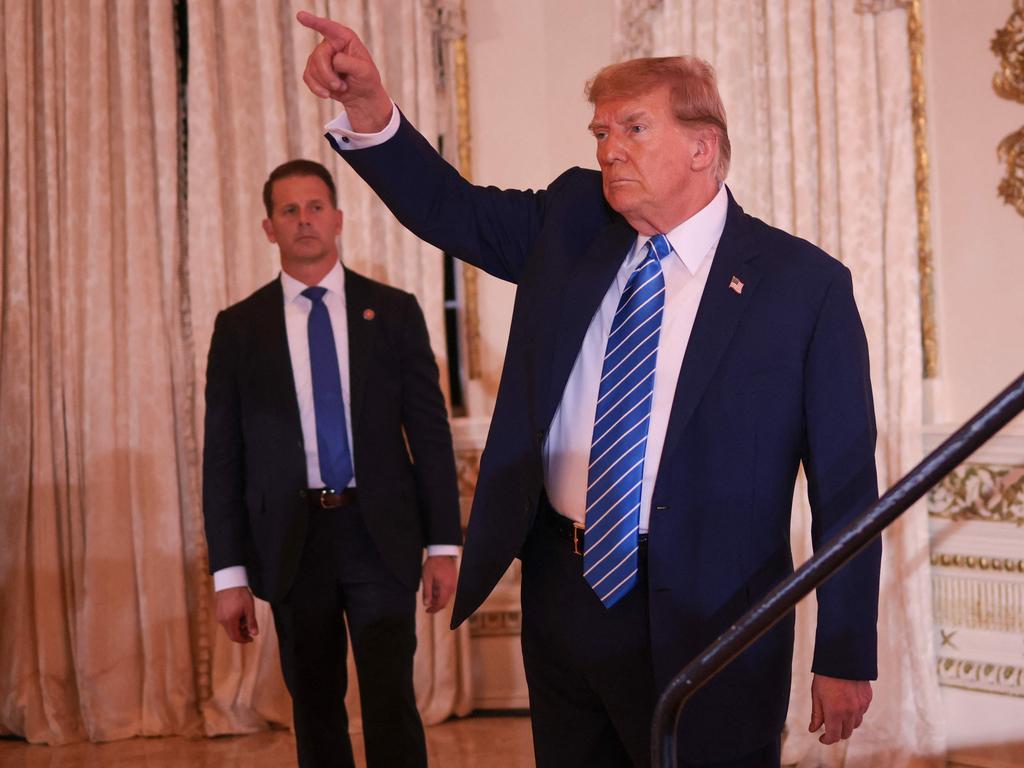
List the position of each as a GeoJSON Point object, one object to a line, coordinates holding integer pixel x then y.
{"type": "Point", "coordinates": [494, 742]}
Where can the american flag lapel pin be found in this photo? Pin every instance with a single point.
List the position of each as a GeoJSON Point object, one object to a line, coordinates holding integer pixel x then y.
{"type": "Point", "coordinates": [736, 284]}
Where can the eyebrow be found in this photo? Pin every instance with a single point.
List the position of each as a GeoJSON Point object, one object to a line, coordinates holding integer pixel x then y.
{"type": "Point", "coordinates": [595, 124]}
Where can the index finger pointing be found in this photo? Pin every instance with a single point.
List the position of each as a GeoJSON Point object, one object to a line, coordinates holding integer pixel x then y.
{"type": "Point", "coordinates": [336, 34]}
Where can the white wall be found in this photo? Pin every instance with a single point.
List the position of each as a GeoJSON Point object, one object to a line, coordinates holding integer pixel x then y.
{"type": "Point", "coordinates": [978, 240]}
{"type": "Point", "coordinates": [528, 63]}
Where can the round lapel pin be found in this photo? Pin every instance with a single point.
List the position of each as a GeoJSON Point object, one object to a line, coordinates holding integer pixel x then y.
{"type": "Point", "coordinates": [369, 314]}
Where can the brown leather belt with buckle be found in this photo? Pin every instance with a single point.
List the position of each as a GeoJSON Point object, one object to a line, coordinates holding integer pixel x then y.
{"type": "Point", "coordinates": [328, 498]}
{"type": "Point", "coordinates": [575, 532]}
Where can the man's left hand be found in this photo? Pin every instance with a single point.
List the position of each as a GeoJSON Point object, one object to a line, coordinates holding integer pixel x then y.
{"type": "Point", "coordinates": [439, 576]}
{"type": "Point", "coordinates": [839, 705]}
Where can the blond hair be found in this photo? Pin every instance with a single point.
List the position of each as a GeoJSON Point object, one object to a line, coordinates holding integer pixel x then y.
{"type": "Point", "coordinates": [693, 92]}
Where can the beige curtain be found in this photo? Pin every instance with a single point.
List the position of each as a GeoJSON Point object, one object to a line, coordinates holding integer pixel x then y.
{"type": "Point", "coordinates": [818, 99]}
{"type": "Point", "coordinates": [106, 310]}
{"type": "Point", "coordinates": [94, 611]}
{"type": "Point", "coordinates": [248, 112]}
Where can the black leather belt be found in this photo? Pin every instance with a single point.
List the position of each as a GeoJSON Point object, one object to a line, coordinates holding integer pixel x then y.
{"type": "Point", "coordinates": [328, 498]}
{"type": "Point", "coordinates": [574, 532]}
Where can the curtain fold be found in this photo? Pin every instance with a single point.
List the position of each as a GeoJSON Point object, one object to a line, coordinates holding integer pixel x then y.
{"type": "Point", "coordinates": [94, 618]}
{"type": "Point", "coordinates": [818, 99]}
{"type": "Point", "coordinates": [116, 258]}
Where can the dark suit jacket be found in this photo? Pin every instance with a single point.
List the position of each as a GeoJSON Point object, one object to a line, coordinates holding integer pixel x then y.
{"type": "Point", "coordinates": [773, 376]}
{"type": "Point", "coordinates": [254, 465]}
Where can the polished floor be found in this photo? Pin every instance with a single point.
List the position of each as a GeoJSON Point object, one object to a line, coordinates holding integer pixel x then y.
{"type": "Point", "coordinates": [498, 742]}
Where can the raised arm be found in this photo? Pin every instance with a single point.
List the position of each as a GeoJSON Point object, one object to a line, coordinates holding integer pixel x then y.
{"type": "Point", "coordinates": [490, 228]}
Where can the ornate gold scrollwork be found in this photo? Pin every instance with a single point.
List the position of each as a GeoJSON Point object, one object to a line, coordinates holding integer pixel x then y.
{"type": "Point", "coordinates": [1008, 82]}
{"type": "Point", "coordinates": [1011, 152]}
{"type": "Point", "coordinates": [1008, 45]}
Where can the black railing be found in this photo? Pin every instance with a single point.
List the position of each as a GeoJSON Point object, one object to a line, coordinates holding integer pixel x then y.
{"type": "Point", "coordinates": [826, 561]}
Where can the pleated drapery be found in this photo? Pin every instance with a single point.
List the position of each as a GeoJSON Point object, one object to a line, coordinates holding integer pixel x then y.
{"type": "Point", "coordinates": [95, 627]}
{"type": "Point", "coordinates": [116, 258]}
{"type": "Point", "coordinates": [818, 99]}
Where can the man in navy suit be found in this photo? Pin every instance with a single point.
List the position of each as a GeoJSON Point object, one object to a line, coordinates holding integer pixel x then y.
{"type": "Point", "coordinates": [671, 363]}
{"type": "Point", "coordinates": [327, 469]}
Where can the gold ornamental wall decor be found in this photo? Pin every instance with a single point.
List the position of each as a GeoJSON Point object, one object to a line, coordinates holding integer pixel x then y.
{"type": "Point", "coordinates": [1008, 82]}
{"type": "Point", "coordinates": [1008, 45]}
{"type": "Point", "coordinates": [1011, 152]}
{"type": "Point", "coordinates": [922, 198]}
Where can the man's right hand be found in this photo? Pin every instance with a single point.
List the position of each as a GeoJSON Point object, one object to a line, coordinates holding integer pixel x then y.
{"type": "Point", "coordinates": [236, 612]}
{"type": "Point", "coordinates": [341, 68]}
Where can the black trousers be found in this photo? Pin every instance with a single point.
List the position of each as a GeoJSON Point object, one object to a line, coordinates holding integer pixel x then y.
{"type": "Point", "coordinates": [342, 578]}
{"type": "Point", "coordinates": [588, 668]}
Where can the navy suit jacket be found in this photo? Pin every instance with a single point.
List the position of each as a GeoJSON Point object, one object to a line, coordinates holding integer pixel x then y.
{"type": "Point", "coordinates": [254, 463]}
{"type": "Point", "coordinates": [774, 376]}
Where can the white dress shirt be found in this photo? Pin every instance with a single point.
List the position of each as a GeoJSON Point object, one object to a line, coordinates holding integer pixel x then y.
{"type": "Point", "coordinates": [567, 445]}
{"type": "Point", "coordinates": [296, 319]}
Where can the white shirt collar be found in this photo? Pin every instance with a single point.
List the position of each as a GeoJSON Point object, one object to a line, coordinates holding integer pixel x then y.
{"type": "Point", "coordinates": [334, 282]}
{"type": "Point", "coordinates": [698, 236]}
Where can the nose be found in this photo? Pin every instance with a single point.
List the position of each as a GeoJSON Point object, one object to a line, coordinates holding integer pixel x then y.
{"type": "Point", "coordinates": [610, 150]}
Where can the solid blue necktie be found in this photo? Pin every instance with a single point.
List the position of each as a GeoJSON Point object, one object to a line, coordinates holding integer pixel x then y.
{"type": "Point", "coordinates": [328, 405]}
{"type": "Point", "coordinates": [621, 422]}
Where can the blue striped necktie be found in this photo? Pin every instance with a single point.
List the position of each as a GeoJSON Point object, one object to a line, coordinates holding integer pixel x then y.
{"type": "Point", "coordinates": [328, 405]}
{"type": "Point", "coordinates": [617, 450]}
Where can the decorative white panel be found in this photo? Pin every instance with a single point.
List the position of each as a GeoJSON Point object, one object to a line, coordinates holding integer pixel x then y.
{"type": "Point", "coordinates": [976, 517]}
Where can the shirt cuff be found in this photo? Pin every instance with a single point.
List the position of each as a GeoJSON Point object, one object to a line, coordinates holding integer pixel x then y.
{"type": "Point", "coordinates": [441, 550]}
{"type": "Point", "coordinates": [230, 577]}
{"type": "Point", "coordinates": [342, 137]}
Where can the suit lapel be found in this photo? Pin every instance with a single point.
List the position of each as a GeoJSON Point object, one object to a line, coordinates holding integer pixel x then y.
{"type": "Point", "coordinates": [721, 307]}
{"type": "Point", "coordinates": [361, 338]}
{"type": "Point", "coordinates": [276, 360]}
{"type": "Point", "coordinates": [586, 287]}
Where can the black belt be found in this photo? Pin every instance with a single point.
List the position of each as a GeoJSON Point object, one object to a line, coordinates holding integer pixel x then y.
{"type": "Point", "coordinates": [574, 532]}
{"type": "Point", "coordinates": [328, 498]}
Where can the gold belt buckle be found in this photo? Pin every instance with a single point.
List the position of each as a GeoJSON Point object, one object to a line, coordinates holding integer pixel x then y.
{"type": "Point", "coordinates": [577, 539]}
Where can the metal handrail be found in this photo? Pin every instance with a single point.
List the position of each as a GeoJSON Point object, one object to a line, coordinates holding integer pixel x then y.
{"type": "Point", "coordinates": [826, 561]}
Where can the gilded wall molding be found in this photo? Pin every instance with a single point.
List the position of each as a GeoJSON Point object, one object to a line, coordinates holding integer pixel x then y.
{"type": "Point", "coordinates": [1008, 45]}
{"type": "Point", "coordinates": [1008, 82]}
{"type": "Point", "coordinates": [495, 623]}
{"type": "Point", "coordinates": [982, 492]}
{"type": "Point", "coordinates": [925, 260]}
{"type": "Point", "coordinates": [1011, 153]}
{"type": "Point", "coordinates": [470, 276]}
{"type": "Point", "coordinates": [978, 562]}
{"type": "Point", "coordinates": [1002, 679]}
{"type": "Point", "coordinates": [993, 605]}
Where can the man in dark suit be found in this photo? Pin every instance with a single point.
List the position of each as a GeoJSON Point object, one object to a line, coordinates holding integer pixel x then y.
{"type": "Point", "coordinates": [671, 363]}
{"type": "Point", "coordinates": [327, 468]}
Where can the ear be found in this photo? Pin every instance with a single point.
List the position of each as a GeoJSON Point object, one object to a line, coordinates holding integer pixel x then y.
{"type": "Point", "coordinates": [341, 220]}
{"type": "Point", "coordinates": [704, 150]}
{"type": "Point", "coordinates": [268, 229]}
